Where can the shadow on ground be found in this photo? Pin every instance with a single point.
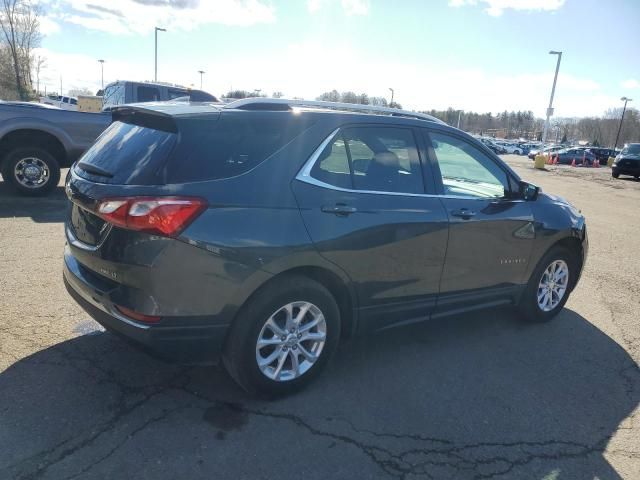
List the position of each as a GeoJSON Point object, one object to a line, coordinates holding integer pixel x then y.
{"type": "Point", "coordinates": [472, 397]}
{"type": "Point", "coordinates": [47, 209]}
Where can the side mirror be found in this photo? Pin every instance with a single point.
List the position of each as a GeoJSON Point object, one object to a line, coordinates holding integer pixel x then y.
{"type": "Point", "coordinates": [529, 191]}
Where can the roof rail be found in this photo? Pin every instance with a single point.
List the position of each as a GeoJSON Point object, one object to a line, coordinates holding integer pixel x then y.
{"type": "Point", "coordinates": [264, 103]}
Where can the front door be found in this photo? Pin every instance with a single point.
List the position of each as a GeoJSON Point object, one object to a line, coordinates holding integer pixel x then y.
{"type": "Point", "coordinates": [363, 202]}
{"type": "Point", "coordinates": [491, 229]}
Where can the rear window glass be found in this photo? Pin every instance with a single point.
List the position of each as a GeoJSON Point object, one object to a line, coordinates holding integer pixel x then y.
{"type": "Point", "coordinates": [230, 146]}
{"type": "Point", "coordinates": [127, 154]}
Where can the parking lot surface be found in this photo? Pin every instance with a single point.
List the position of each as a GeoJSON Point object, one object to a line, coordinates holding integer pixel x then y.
{"type": "Point", "coordinates": [473, 397]}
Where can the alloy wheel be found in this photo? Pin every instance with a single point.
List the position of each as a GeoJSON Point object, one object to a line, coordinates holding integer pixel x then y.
{"type": "Point", "coordinates": [553, 285]}
{"type": "Point", "coordinates": [291, 341]}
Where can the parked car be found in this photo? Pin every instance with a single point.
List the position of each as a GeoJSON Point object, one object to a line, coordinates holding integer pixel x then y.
{"type": "Point", "coordinates": [267, 235]}
{"type": "Point", "coordinates": [37, 140]}
{"type": "Point", "coordinates": [61, 101]}
{"type": "Point", "coordinates": [551, 149]}
{"type": "Point", "coordinates": [602, 154]}
{"type": "Point", "coordinates": [124, 91]}
{"type": "Point", "coordinates": [494, 147]}
{"type": "Point", "coordinates": [579, 155]}
{"type": "Point", "coordinates": [627, 162]}
{"type": "Point", "coordinates": [512, 148]}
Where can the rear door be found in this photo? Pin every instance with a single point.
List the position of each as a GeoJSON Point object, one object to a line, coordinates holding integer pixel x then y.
{"type": "Point", "coordinates": [491, 230]}
{"type": "Point", "coordinates": [363, 200]}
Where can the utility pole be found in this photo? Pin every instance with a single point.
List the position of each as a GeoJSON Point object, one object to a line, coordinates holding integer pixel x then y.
{"type": "Point", "coordinates": [624, 109]}
{"type": "Point", "coordinates": [459, 115]}
{"type": "Point", "coordinates": [553, 91]}
{"type": "Point", "coordinates": [158, 29]}
{"type": "Point", "coordinates": [102, 75]}
{"type": "Point", "coordinates": [201, 72]}
{"type": "Point", "coordinates": [392, 92]}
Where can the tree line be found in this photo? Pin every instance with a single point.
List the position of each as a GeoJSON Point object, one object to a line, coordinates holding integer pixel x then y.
{"type": "Point", "coordinates": [19, 36]}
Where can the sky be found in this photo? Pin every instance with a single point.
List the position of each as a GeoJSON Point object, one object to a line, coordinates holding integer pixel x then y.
{"type": "Point", "coordinates": [475, 55]}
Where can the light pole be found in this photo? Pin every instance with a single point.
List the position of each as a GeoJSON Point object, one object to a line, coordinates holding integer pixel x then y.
{"type": "Point", "coordinates": [553, 91]}
{"type": "Point", "coordinates": [392, 92]}
{"type": "Point", "coordinates": [624, 109]}
{"type": "Point", "coordinates": [158, 29]}
{"type": "Point", "coordinates": [459, 115]}
{"type": "Point", "coordinates": [201, 72]}
{"type": "Point", "coordinates": [102, 74]}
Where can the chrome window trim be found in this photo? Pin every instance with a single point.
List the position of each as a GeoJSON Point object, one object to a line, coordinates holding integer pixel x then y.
{"type": "Point", "coordinates": [305, 176]}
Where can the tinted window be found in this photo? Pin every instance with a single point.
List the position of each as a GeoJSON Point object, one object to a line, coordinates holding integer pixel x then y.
{"type": "Point", "coordinates": [127, 154]}
{"type": "Point", "coordinates": [148, 94]}
{"type": "Point", "coordinates": [231, 145]}
{"type": "Point", "coordinates": [372, 158]}
{"type": "Point", "coordinates": [332, 166]}
{"type": "Point", "coordinates": [465, 170]}
{"type": "Point", "coordinates": [177, 93]}
{"type": "Point", "coordinates": [113, 95]}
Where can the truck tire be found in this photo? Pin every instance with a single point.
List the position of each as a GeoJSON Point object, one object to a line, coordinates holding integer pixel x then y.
{"type": "Point", "coordinates": [31, 171]}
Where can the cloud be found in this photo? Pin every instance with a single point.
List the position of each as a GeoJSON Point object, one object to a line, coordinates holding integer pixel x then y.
{"type": "Point", "coordinates": [48, 26]}
{"type": "Point", "coordinates": [140, 16]}
{"type": "Point", "coordinates": [349, 7]}
{"type": "Point", "coordinates": [417, 87]}
{"type": "Point", "coordinates": [632, 83]}
{"type": "Point", "coordinates": [496, 8]}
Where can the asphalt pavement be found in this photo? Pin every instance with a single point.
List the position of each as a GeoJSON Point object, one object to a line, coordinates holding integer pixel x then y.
{"type": "Point", "coordinates": [472, 397]}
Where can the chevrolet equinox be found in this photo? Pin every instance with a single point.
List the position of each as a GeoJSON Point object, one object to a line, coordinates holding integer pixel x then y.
{"type": "Point", "coordinates": [265, 231]}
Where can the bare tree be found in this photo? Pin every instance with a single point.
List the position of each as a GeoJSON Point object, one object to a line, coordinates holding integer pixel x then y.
{"type": "Point", "coordinates": [19, 21]}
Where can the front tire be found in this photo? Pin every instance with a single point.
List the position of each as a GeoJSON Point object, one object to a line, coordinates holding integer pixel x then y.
{"type": "Point", "coordinates": [550, 285]}
{"type": "Point", "coordinates": [615, 174]}
{"type": "Point", "coordinates": [31, 171]}
{"type": "Point", "coordinates": [283, 337]}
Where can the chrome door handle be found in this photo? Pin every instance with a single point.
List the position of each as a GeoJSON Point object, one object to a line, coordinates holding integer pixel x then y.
{"type": "Point", "coordinates": [339, 209]}
{"type": "Point", "coordinates": [463, 213]}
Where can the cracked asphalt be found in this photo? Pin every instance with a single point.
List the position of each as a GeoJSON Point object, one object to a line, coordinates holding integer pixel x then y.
{"type": "Point", "coordinates": [472, 397]}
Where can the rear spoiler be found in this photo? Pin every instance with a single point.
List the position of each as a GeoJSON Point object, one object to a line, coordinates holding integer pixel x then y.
{"type": "Point", "coordinates": [161, 115]}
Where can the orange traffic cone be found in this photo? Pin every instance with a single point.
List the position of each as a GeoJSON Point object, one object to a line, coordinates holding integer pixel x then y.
{"type": "Point", "coordinates": [573, 162]}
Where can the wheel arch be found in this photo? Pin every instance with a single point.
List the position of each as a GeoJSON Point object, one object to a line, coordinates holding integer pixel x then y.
{"type": "Point", "coordinates": [30, 137]}
{"type": "Point", "coordinates": [337, 286]}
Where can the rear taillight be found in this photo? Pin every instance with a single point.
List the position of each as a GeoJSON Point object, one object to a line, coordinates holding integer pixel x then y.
{"type": "Point", "coordinates": [166, 216]}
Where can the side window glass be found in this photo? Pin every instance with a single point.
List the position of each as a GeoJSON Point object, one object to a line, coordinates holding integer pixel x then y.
{"type": "Point", "coordinates": [465, 170]}
{"type": "Point", "coordinates": [148, 94]}
{"type": "Point", "coordinates": [384, 159]}
{"type": "Point", "coordinates": [332, 166]}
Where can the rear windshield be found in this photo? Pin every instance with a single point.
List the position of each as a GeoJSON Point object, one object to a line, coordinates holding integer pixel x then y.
{"type": "Point", "coordinates": [236, 143]}
{"type": "Point", "coordinates": [205, 148]}
{"type": "Point", "coordinates": [127, 154]}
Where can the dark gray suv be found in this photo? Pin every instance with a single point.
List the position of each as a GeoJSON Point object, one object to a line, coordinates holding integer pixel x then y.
{"type": "Point", "coordinates": [268, 230]}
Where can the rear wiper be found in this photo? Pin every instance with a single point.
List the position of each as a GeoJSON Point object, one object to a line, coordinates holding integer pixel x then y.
{"type": "Point", "coordinates": [95, 170]}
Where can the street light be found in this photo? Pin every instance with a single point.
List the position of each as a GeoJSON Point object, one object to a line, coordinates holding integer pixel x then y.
{"type": "Point", "coordinates": [158, 29]}
{"type": "Point", "coordinates": [624, 109]}
{"type": "Point", "coordinates": [553, 91]}
{"type": "Point", "coordinates": [392, 91]}
{"type": "Point", "coordinates": [102, 74]}
{"type": "Point", "coordinates": [201, 72]}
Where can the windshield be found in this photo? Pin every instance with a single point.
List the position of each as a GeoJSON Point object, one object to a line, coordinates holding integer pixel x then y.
{"type": "Point", "coordinates": [633, 149]}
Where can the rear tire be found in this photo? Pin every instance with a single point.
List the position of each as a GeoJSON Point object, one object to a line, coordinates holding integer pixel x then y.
{"type": "Point", "coordinates": [540, 301]}
{"type": "Point", "coordinates": [31, 171]}
{"type": "Point", "coordinates": [261, 331]}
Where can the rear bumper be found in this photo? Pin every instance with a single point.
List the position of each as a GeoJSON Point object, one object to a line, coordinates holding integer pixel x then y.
{"type": "Point", "coordinates": [190, 344]}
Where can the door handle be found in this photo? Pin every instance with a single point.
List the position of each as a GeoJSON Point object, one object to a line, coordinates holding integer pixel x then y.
{"type": "Point", "coordinates": [463, 213]}
{"type": "Point", "coordinates": [339, 209]}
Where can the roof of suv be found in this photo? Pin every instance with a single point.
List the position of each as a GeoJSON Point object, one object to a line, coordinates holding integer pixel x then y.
{"type": "Point", "coordinates": [269, 105]}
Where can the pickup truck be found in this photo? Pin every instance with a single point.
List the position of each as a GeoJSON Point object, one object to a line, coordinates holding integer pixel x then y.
{"type": "Point", "coordinates": [35, 142]}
